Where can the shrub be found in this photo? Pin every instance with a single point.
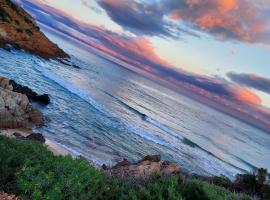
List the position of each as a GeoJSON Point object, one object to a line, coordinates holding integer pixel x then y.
{"type": "Point", "coordinates": [30, 170]}
{"type": "Point", "coordinates": [222, 181]}
{"type": "Point", "coordinates": [265, 191]}
{"type": "Point", "coordinates": [65, 178]}
{"type": "Point", "coordinates": [246, 183]}
{"type": "Point", "coordinates": [13, 156]}
{"type": "Point", "coordinates": [261, 176]}
{"type": "Point", "coordinates": [4, 16]}
{"type": "Point", "coordinates": [29, 32]}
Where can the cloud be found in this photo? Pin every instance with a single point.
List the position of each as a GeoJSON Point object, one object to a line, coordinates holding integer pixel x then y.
{"type": "Point", "coordinates": [139, 18]}
{"type": "Point", "coordinates": [252, 81]}
{"type": "Point", "coordinates": [236, 20]}
{"type": "Point", "coordinates": [90, 6]}
{"type": "Point", "coordinates": [245, 95]}
{"type": "Point", "coordinates": [137, 51]}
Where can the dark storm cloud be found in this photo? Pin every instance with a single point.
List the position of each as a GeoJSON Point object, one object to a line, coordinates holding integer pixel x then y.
{"type": "Point", "coordinates": [252, 81]}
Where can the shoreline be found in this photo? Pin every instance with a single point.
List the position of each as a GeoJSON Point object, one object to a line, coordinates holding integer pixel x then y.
{"type": "Point", "coordinates": [55, 148]}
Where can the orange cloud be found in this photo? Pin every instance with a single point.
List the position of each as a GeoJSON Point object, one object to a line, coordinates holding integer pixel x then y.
{"type": "Point", "coordinates": [234, 19]}
{"type": "Point", "coordinates": [247, 96]}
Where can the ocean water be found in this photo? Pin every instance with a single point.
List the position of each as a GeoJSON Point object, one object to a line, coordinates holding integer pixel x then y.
{"type": "Point", "coordinates": [105, 113]}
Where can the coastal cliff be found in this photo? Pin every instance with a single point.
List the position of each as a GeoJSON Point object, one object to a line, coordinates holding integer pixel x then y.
{"type": "Point", "coordinates": [19, 29]}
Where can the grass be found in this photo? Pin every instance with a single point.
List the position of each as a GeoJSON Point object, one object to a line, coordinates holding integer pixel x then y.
{"type": "Point", "coordinates": [30, 170]}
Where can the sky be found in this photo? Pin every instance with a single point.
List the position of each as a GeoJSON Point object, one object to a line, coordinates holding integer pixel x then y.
{"type": "Point", "coordinates": [215, 51]}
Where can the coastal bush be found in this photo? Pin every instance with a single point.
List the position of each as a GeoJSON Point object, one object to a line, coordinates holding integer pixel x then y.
{"type": "Point", "coordinates": [222, 181]}
{"type": "Point", "coordinates": [13, 156]}
{"type": "Point", "coordinates": [65, 178]}
{"type": "Point", "coordinates": [31, 171]}
{"type": "Point", "coordinates": [4, 16]}
{"type": "Point", "coordinates": [29, 32]}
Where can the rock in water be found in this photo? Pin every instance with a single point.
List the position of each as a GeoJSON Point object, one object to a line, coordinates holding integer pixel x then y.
{"type": "Point", "coordinates": [16, 110]}
{"type": "Point", "coordinates": [20, 30]}
{"type": "Point", "coordinates": [44, 99]}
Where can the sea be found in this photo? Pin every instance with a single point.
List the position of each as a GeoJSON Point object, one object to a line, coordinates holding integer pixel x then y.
{"type": "Point", "coordinates": [106, 112]}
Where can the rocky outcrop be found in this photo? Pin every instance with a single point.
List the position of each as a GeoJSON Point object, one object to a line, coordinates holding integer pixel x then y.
{"type": "Point", "coordinates": [20, 30]}
{"type": "Point", "coordinates": [143, 169]}
{"type": "Point", "coordinates": [44, 98]}
{"type": "Point", "coordinates": [38, 137]}
{"type": "Point", "coordinates": [16, 110]}
{"type": "Point", "coordinates": [5, 196]}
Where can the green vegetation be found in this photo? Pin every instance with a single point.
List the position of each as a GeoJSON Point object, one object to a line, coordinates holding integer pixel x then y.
{"type": "Point", "coordinates": [27, 20]}
{"type": "Point", "coordinates": [12, 6]}
{"type": "Point", "coordinates": [29, 32]}
{"type": "Point", "coordinates": [30, 170]}
{"type": "Point", "coordinates": [4, 16]}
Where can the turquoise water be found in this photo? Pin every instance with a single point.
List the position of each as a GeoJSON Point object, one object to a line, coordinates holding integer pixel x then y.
{"type": "Point", "coordinates": [105, 113]}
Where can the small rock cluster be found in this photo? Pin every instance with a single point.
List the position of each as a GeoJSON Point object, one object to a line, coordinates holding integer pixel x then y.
{"type": "Point", "coordinates": [15, 109]}
{"type": "Point", "coordinates": [143, 169]}
{"type": "Point", "coordinates": [33, 136]}
{"type": "Point", "coordinates": [5, 196]}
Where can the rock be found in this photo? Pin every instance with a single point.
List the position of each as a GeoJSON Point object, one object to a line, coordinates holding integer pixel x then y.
{"type": "Point", "coordinates": [44, 99]}
{"type": "Point", "coordinates": [5, 196]}
{"type": "Point", "coordinates": [7, 47]}
{"type": "Point", "coordinates": [16, 110]}
{"type": "Point", "coordinates": [144, 168]}
{"type": "Point", "coordinates": [168, 168]}
{"type": "Point", "coordinates": [36, 137]}
{"type": "Point", "coordinates": [153, 158]}
{"type": "Point", "coordinates": [122, 163]}
{"type": "Point", "coordinates": [17, 134]}
{"type": "Point", "coordinates": [20, 30]}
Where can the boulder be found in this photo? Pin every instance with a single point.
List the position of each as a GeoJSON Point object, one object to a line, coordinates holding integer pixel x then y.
{"type": "Point", "coordinates": [144, 168]}
{"type": "Point", "coordinates": [16, 110]}
{"type": "Point", "coordinates": [36, 137]}
{"type": "Point", "coordinates": [153, 158]}
{"type": "Point", "coordinates": [44, 99]}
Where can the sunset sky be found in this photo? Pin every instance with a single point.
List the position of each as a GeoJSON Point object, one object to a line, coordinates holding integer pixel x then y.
{"type": "Point", "coordinates": [219, 49]}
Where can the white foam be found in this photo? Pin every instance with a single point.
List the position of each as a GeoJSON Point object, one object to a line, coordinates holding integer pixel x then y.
{"type": "Point", "coordinates": [149, 136]}
{"type": "Point", "coordinates": [70, 86]}
{"type": "Point", "coordinates": [163, 127]}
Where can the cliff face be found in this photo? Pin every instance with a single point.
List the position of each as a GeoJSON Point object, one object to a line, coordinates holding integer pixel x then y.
{"type": "Point", "coordinates": [20, 30]}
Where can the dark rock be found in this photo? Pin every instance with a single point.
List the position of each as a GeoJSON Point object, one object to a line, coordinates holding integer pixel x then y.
{"type": "Point", "coordinates": [124, 162]}
{"type": "Point", "coordinates": [104, 167]}
{"type": "Point", "coordinates": [17, 134]}
{"type": "Point", "coordinates": [37, 137]}
{"type": "Point", "coordinates": [68, 63]}
{"type": "Point", "coordinates": [44, 99]}
{"type": "Point", "coordinates": [7, 47]}
{"type": "Point", "coordinates": [153, 158]}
